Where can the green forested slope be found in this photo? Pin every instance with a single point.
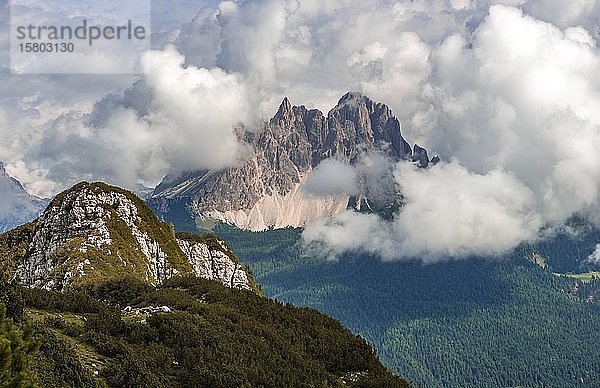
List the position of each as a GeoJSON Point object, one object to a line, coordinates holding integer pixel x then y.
{"type": "Point", "coordinates": [467, 323]}
{"type": "Point", "coordinates": [214, 336]}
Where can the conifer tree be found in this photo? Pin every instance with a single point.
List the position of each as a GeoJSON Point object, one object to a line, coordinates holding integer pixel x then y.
{"type": "Point", "coordinates": [17, 346]}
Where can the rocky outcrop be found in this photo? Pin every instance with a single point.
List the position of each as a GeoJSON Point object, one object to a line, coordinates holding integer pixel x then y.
{"type": "Point", "coordinates": [420, 156]}
{"type": "Point", "coordinates": [84, 215]}
{"type": "Point", "coordinates": [265, 191]}
{"type": "Point", "coordinates": [214, 264]}
{"type": "Point", "coordinates": [95, 230]}
{"type": "Point", "coordinates": [16, 205]}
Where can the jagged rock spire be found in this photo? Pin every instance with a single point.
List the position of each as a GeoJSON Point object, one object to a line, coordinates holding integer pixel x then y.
{"type": "Point", "coordinates": [420, 156]}
{"type": "Point", "coordinates": [285, 114]}
{"type": "Point", "coordinates": [285, 106]}
{"type": "Point", "coordinates": [261, 193]}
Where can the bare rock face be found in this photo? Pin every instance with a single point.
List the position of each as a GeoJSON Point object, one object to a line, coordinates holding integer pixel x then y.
{"type": "Point", "coordinates": [16, 205]}
{"type": "Point", "coordinates": [264, 192]}
{"type": "Point", "coordinates": [214, 264]}
{"type": "Point", "coordinates": [97, 231]}
{"type": "Point", "coordinates": [420, 156]}
{"type": "Point", "coordinates": [357, 124]}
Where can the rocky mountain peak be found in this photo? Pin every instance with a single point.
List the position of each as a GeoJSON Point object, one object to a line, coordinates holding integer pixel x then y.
{"type": "Point", "coordinates": [353, 98]}
{"type": "Point", "coordinates": [364, 122]}
{"type": "Point", "coordinates": [266, 191]}
{"type": "Point", "coordinates": [95, 230]}
{"type": "Point", "coordinates": [351, 105]}
{"type": "Point", "coordinates": [356, 100]}
{"type": "Point", "coordinates": [285, 108]}
{"type": "Point", "coordinates": [287, 115]}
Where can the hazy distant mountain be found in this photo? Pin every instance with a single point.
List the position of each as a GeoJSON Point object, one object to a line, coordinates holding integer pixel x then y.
{"type": "Point", "coordinates": [16, 205]}
{"type": "Point", "coordinates": [266, 191]}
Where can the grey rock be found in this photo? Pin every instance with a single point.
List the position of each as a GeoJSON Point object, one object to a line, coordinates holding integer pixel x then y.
{"type": "Point", "coordinates": [420, 156]}
{"type": "Point", "coordinates": [214, 264]}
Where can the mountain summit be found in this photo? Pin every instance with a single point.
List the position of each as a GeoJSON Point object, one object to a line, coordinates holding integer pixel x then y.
{"type": "Point", "coordinates": [266, 191]}
{"type": "Point", "coordinates": [95, 231]}
{"type": "Point", "coordinates": [17, 206]}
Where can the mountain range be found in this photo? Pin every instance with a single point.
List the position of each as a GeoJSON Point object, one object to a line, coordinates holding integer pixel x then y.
{"type": "Point", "coordinates": [267, 190]}
{"type": "Point", "coordinates": [146, 302]}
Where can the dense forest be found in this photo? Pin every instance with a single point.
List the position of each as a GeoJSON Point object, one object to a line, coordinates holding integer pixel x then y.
{"type": "Point", "coordinates": [117, 333]}
{"type": "Point", "coordinates": [503, 322]}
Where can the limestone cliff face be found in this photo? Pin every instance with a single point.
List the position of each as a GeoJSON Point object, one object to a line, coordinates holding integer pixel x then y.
{"type": "Point", "coordinates": [97, 231]}
{"type": "Point", "coordinates": [16, 205]}
{"type": "Point", "coordinates": [266, 191]}
{"type": "Point", "coordinates": [214, 263]}
{"type": "Point", "coordinates": [84, 217]}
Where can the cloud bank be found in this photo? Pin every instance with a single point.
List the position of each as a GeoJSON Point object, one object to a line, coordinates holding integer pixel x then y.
{"type": "Point", "coordinates": [448, 212]}
{"type": "Point", "coordinates": [183, 117]}
{"type": "Point", "coordinates": [516, 107]}
{"type": "Point", "coordinates": [507, 91]}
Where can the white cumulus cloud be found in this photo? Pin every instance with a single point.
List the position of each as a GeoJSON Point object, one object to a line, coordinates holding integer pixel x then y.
{"type": "Point", "coordinates": [448, 213]}
{"type": "Point", "coordinates": [187, 122]}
